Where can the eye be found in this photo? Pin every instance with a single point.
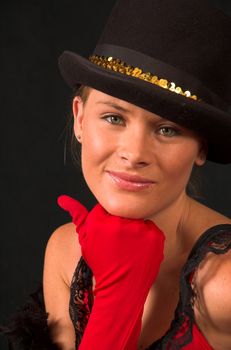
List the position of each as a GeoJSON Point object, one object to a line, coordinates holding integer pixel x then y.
{"type": "Point", "coordinates": [168, 131]}
{"type": "Point", "coordinates": [114, 119]}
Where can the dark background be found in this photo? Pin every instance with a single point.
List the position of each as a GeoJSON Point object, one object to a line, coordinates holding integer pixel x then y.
{"type": "Point", "coordinates": [34, 104]}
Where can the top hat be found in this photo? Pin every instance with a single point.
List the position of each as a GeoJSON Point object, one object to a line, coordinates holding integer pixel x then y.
{"type": "Point", "coordinates": [172, 58]}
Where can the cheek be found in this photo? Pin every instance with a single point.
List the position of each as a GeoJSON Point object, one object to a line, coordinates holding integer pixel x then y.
{"type": "Point", "coordinates": [177, 162]}
{"type": "Point", "coordinates": [97, 148]}
{"type": "Point", "coordinates": [91, 141]}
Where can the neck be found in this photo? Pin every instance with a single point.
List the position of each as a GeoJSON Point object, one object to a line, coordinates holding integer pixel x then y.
{"type": "Point", "coordinates": [173, 220]}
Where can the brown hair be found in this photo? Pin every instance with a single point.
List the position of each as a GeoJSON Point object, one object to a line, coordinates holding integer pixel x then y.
{"type": "Point", "coordinates": [70, 140]}
{"type": "Point", "coordinates": [194, 185]}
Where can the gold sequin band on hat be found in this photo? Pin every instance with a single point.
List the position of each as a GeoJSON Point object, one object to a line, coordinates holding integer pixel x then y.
{"type": "Point", "coordinates": [119, 66]}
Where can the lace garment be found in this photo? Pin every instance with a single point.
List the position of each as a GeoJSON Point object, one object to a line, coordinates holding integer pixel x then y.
{"type": "Point", "coordinates": [216, 240]}
{"type": "Point", "coordinates": [81, 300]}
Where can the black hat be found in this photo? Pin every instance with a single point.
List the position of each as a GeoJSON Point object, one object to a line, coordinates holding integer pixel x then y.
{"type": "Point", "coordinates": [172, 58]}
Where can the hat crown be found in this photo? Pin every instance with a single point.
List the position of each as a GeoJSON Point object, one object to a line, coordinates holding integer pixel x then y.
{"type": "Point", "coordinates": [192, 36]}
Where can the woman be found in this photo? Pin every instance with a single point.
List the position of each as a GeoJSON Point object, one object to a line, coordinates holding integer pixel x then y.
{"type": "Point", "coordinates": [148, 116]}
{"type": "Point", "coordinates": [151, 105]}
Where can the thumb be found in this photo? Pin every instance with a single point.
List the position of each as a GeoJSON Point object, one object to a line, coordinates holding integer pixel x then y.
{"type": "Point", "coordinates": [77, 211]}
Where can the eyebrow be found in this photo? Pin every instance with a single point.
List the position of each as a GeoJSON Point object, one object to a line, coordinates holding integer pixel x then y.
{"type": "Point", "coordinates": [125, 110]}
{"type": "Point", "coordinates": [114, 105]}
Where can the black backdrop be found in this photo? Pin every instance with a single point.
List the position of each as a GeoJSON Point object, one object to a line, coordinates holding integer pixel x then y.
{"type": "Point", "coordinates": [34, 107]}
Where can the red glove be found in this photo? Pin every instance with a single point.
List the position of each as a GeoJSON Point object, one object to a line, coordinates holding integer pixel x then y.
{"type": "Point", "coordinates": [124, 256]}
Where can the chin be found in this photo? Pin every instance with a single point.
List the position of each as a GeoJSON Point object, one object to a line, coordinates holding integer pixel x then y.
{"type": "Point", "coordinates": [127, 210]}
{"type": "Point", "coordinates": [128, 214]}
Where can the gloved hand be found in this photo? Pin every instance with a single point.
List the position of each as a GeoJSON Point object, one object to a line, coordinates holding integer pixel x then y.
{"type": "Point", "coordinates": [124, 256]}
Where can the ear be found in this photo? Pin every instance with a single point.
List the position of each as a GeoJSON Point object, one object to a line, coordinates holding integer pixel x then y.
{"type": "Point", "coordinates": [77, 108]}
{"type": "Point", "coordinates": [202, 153]}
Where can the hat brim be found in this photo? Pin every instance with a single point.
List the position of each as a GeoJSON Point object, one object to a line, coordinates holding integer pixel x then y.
{"type": "Point", "coordinates": [206, 120]}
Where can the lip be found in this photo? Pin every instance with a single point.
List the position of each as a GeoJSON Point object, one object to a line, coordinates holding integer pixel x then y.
{"type": "Point", "coordinates": [130, 182]}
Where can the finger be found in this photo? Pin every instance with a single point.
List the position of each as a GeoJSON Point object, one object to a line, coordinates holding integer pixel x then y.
{"type": "Point", "coordinates": [77, 211]}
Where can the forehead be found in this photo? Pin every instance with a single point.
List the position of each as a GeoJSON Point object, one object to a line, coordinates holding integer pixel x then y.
{"type": "Point", "coordinates": [100, 99]}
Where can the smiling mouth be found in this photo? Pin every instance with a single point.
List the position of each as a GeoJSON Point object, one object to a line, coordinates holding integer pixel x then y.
{"type": "Point", "coordinates": [130, 182]}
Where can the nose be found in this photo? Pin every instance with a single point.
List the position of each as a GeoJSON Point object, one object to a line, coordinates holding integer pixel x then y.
{"type": "Point", "coordinates": [135, 149]}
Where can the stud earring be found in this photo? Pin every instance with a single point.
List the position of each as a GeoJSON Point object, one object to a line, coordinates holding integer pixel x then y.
{"type": "Point", "coordinates": [78, 137]}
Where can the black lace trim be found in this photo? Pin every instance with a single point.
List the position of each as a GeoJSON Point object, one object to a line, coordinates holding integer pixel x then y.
{"type": "Point", "coordinates": [81, 298]}
{"type": "Point", "coordinates": [217, 240]}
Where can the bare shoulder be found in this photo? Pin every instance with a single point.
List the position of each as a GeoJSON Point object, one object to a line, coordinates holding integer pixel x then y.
{"type": "Point", "coordinates": [63, 236]}
{"type": "Point", "coordinates": [212, 285]}
{"type": "Point", "coordinates": [64, 251]}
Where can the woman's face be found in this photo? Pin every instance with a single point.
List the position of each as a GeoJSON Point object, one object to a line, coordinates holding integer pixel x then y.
{"type": "Point", "coordinates": [135, 162]}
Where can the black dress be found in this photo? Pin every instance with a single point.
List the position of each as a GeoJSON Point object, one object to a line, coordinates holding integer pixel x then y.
{"type": "Point", "coordinates": [29, 327]}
